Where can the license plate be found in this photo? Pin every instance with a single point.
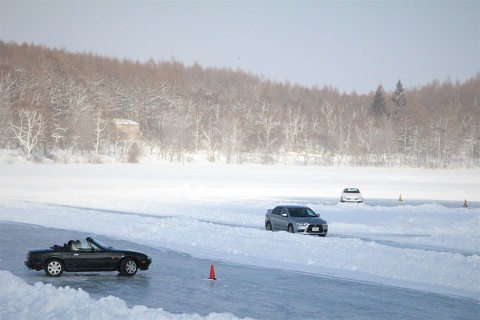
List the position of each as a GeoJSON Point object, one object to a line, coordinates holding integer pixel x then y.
{"type": "Point", "coordinates": [315, 229]}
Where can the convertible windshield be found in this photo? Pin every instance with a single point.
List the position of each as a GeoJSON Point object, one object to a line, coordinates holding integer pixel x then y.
{"type": "Point", "coordinates": [99, 244]}
{"type": "Point", "coordinates": [301, 213]}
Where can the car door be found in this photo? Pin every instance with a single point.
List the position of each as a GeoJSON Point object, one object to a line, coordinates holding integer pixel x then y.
{"type": "Point", "coordinates": [98, 260]}
{"type": "Point", "coordinates": [85, 260]}
{"type": "Point", "coordinates": [279, 222]}
{"type": "Point", "coordinates": [275, 217]}
{"type": "Point", "coordinates": [70, 259]}
{"type": "Point", "coordinates": [283, 219]}
{"type": "Point", "coordinates": [79, 260]}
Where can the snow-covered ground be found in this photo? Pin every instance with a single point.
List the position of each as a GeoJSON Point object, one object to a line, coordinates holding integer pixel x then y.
{"type": "Point", "coordinates": [428, 242]}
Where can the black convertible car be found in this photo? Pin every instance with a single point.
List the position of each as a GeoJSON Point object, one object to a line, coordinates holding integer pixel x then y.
{"type": "Point", "coordinates": [90, 256]}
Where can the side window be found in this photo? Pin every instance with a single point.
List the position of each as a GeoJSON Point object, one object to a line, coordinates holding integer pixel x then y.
{"type": "Point", "coordinates": [277, 210]}
{"type": "Point", "coordinates": [284, 211]}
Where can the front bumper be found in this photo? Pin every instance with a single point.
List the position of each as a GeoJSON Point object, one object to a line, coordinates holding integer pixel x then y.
{"type": "Point", "coordinates": [144, 264]}
{"type": "Point", "coordinates": [352, 199]}
{"type": "Point", "coordinates": [313, 229]}
{"type": "Point", "coordinates": [33, 265]}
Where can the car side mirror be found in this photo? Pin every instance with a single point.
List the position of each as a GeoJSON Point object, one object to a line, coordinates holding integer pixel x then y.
{"type": "Point", "coordinates": [318, 215]}
{"type": "Point", "coordinates": [284, 215]}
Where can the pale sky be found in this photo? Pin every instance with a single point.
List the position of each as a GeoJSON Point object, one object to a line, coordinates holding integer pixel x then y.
{"type": "Point", "coordinates": [348, 45]}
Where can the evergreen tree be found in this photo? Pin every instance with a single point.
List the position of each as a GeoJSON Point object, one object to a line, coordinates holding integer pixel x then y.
{"type": "Point", "coordinates": [378, 105]}
{"type": "Point", "coordinates": [398, 97]}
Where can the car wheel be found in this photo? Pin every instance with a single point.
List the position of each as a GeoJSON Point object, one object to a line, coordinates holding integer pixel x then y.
{"type": "Point", "coordinates": [128, 267]}
{"type": "Point", "coordinates": [54, 268]}
{"type": "Point", "coordinates": [268, 226]}
{"type": "Point", "coordinates": [290, 228]}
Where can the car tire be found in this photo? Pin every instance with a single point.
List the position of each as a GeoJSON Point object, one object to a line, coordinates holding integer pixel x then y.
{"type": "Point", "coordinates": [54, 268]}
{"type": "Point", "coordinates": [268, 226]}
{"type": "Point", "coordinates": [128, 267]}
{"type": "Point", "coordinates": [290, 228]}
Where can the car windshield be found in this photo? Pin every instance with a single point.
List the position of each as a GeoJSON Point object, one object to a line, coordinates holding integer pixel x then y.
{"type": "Point", "coordinates": [301, 213]}
{"type": "Point", "coordinates": [98, 244]}
{"type": "Point", "coordinates": [351, 190]}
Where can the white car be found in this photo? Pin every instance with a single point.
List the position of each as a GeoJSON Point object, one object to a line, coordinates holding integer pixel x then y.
{"type": "Point", "coordinates": [351, 195]}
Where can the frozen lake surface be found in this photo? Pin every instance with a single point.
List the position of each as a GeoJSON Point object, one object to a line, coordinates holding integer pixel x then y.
{"type": "Point", "coordinates": [417, 259]}
{"type": "Point", "coordinates": [179, 283]}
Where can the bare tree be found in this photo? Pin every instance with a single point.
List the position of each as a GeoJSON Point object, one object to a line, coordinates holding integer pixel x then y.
{"type": "Point", "coordinates": [306, 143]}
{"type": "Point", "coordinates": [266, 125]}
{"type": "Point", "coordinates": [367, 136]}
{"type": "Point", "coordinates": [211, 141]}
{"type": "Point", "coordinates": [328, 134]}
{"type": "Point", "coordinates": [101, 125]}
{"type": "Point", "coordinates": [404, 134]}
{"type": "Point", "coordinates": [198, 114]}
{"type": "Point", "coordinates": [6, 92]}
{"type": "Point", "coordinates": [28, 127]}
{"type": "Point", "coordinates": [344, 119]}
{"type": "Point", "coordinates": [231, 137]}
{"type": "Point", "coordinates": [290, 131]}
{"type": "Point", "coordinates": [471, 143]}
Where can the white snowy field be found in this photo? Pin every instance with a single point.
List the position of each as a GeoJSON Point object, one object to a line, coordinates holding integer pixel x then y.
{"type": "Point", "coordinates": [217, 212]}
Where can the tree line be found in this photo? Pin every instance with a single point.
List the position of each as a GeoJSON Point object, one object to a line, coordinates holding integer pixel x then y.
{"type": "Point", "coordinates": [52, 100]}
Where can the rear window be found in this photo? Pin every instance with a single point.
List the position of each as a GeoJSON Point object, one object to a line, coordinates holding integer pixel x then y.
{"type": "Point", "coordinates": [351, 190]}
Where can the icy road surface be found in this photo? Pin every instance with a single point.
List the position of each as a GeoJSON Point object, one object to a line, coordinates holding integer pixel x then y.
{"type": "Point", "coordinates": [418, 258]}
{"type": "Point", "coordinates": [179, 283]}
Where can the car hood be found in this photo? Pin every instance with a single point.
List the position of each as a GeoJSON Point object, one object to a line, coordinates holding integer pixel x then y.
{"type": "Point", "coordinates": [351, 194]}
{"type": "Point", "coordinates": [125, 252]}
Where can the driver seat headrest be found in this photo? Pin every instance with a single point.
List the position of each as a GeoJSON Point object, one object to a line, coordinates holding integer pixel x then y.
{"type": "Point", "coordinates": [76, 245]}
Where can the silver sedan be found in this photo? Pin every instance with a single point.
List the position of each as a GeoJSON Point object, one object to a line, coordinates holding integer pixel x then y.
{"type": "Point", "coordinates": [295, 219]}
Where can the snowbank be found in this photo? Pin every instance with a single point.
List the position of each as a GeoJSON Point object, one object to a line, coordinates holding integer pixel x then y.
{"type": "Point", "coordinates": [18, 300]}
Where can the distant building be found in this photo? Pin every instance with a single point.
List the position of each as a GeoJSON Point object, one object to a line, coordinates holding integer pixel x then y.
{"type": "Point", "coordinates": [127, 129]}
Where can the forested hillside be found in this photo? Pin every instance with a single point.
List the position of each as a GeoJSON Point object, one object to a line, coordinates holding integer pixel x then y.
{"type": "Point", "coordinates": [54, 102]}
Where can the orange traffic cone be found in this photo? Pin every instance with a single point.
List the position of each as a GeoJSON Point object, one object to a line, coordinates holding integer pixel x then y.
{"type": "Point", "coordinates": [212, 273]}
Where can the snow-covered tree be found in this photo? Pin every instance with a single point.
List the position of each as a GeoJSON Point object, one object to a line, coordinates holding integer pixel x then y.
{"type": "Point", "coordinates": [28, 127]}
